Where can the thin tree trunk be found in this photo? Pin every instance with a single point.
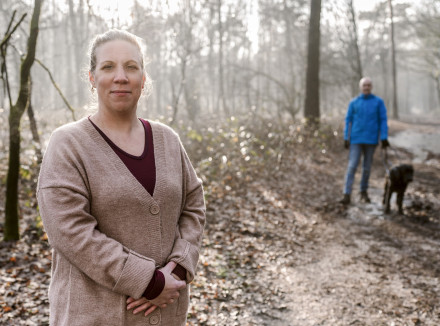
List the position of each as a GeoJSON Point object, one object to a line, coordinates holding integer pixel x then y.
{"type": "Point", "coordinates": [176, 99]}
{"type": "Point", "coordinates": [212, 78]}
{"type": "Point", "coordinates": [393, 63]}
{"type": "Point", "coordinates": [71, 109]}
{"type": "Point", "coordinates": [222, 98]}
{"type": "Point", "coordinates": [311, 108]}
{"type": "Point", "coordinates": [11, 231]}
{"type": "Point", "coordinates": [437, 84]}
{"type": "Point", "coordinates": [358, 70]}
{"type": "Point", "coordinates": [34, 129]}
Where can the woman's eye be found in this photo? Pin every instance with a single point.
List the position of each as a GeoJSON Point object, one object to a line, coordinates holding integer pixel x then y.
{"type": "Point", "coordinates": [107, 67]}
{"type": "Point", "coordinates": [132, 67]}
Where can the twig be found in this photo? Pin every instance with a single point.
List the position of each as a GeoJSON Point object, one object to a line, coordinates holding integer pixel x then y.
{"type": "Point", "coordinates": [72, 110]}
{"type": "Point", "coordinates": [9, 34]}
{"type": "Point", "coordinates": [3, 50]}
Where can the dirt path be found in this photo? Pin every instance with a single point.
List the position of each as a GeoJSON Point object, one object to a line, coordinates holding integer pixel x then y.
{"type": "Point", "coordinates": [367, 268]}
{"type": "Point", "coordinates": [375, 272]}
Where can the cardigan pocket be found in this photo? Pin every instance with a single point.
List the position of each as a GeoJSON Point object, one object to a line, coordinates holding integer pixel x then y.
{"type": "Point", "coordinates": [183, 301]}
{"type": "Point", "coordinates": [91, 303]}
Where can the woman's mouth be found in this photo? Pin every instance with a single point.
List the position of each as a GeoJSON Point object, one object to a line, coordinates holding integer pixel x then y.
{"type": "Point", "coordinates": [120, 92]}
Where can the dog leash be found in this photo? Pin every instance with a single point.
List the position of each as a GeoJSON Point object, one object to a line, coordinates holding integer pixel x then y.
{"type": "Point", "coordinates": [399, 157]}
{"type": "Point", "coordinates": [385, 158]}
{"type": "Point", "coordinates": [384, 154]}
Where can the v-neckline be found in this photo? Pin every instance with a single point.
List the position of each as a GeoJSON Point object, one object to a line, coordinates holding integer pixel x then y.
{"type": "Point", "coordinates": [159, 160]}
{"type": "Point", "coordinates": [118, 148]}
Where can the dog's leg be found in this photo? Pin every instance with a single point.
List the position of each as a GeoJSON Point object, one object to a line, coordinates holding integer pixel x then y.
{"type": "Point", "coordinates": [400, 200]}
{"type": "Point", "coordinates": [387, 196]}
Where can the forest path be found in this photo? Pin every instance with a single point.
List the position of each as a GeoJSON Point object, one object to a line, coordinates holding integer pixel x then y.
{"type": "Point", "coordinates": [367, 268]}
{"type": "Point", "coordinates": [370, 271]}
{"type": "Point", "coordinates": [280, 251]}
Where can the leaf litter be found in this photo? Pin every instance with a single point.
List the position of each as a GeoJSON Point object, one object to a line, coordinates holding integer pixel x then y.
{"type": "Point", "coordinates": [278, 249]}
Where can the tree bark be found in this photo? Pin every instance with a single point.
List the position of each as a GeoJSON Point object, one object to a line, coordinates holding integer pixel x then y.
{"type": "Point", "coordinates": [355, 41]}
{"type": "Point", "coordinates": [311, 108]}
{"type": "Point", "coordinates": [71, 109]}
{"type": "Point", "coordinates": [437, 84]}
{"type": "Point", "coordinates": [222, 98]}
{"type": "Point", "coordinates": [11, 230]}
{"type": "Point", "coordinates": [393, 62]}
{"type": "Point", "coordinates": [34, 129]}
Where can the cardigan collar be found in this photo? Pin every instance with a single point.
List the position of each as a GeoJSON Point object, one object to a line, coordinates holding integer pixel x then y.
{"type": "Point", "coordinates": [113, 158]}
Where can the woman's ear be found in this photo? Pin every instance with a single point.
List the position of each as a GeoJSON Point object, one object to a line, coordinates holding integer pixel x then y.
{"type": "Point", "coordinates": [91, 79]}
{"type": "Point", "coordinates": [143, 80]}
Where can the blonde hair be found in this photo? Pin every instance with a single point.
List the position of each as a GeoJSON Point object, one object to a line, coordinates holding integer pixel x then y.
{"type": "Point", "coordinates": [113, 35]}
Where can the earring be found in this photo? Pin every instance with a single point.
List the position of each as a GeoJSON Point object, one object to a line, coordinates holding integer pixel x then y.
{"type": "Point", "coordinates": [92, 89]}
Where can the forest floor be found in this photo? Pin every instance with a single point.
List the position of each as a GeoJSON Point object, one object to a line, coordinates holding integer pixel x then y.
{"type": "Point", "coordinates": [280, 250]}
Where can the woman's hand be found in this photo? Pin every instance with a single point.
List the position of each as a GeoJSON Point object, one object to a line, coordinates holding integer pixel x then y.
{"type": "Point", "coordinates": [168, 295]}
{"type": "Point", "coordinates": [140, 305]}
{"type": "Point", "coordinates": [172, 286]}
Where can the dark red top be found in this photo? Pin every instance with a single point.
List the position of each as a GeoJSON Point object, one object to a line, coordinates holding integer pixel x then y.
{"type": "Point", "coordinates": [143, 168]}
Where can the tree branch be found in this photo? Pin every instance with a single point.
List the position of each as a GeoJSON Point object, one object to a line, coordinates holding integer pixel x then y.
{"type": "Point", "coordinates": [72, 110]}
{"type": "Point", "coordinates": [3, 50]}
{"type": "Point", "coordinates": [8, 33]}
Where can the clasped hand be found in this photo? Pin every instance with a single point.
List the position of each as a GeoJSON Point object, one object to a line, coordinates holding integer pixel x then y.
{"type": "Point", "coordinates": [169, 293]}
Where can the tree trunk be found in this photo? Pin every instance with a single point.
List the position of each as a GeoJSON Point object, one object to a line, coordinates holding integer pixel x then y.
{"type": "Point", "coordinates": [34, 130]}
{"type": "Point", "coordinates": [222, 98]}
{"type": "Point", "coordinates": [11, 231]}
{"type": "Point", "coordinates": [358, 70]}
{"type": "Point", "coordinates": [311, 108]}
{"type": "Point", "coordinates": [393, 63]}
{"type": "Point", "coordinates": [437, 84]}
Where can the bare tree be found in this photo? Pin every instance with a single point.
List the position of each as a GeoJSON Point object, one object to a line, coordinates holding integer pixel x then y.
{"type": "Point", "coordinates": [426, 59]}
{"type": "Point", "coordinates": [355, 44]}
{"type": "Point", "coordinates": [16, 111]}
{"type": "Point", "coordinates": [222, 98]}
{"type": "Point", "coordinates": [311, 108]}
{"type": "Point", "coordinates": [393, 62]}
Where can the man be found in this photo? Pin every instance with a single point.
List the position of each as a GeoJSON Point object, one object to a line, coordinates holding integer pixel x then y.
{"type": "Point", "coordinates": [365, 124]}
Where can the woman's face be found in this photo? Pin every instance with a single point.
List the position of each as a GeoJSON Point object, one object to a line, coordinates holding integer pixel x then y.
{"type": "Point", "coordinates": [118, 76]}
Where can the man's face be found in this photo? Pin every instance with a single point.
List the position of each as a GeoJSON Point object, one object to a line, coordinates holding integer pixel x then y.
{"type": "Point", "coordinates": [366, 87]}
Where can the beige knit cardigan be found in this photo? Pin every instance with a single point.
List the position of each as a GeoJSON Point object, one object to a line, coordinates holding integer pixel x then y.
{"type": "Point", "coordinates": [108, 233]}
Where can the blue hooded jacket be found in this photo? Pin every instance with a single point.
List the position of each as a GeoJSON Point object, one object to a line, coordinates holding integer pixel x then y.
{"type": "Point", "coordinates": [366, 120]}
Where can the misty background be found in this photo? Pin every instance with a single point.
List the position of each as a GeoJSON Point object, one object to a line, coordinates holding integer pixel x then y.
{"type": "Point", "coordinates": [257, 91]}
{"type": "Point", "coordinates": [228, 57]}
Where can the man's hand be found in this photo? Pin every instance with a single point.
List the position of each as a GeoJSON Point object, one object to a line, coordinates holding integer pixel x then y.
{"type": "Point", "coordinates": [346, 144]}
{"type": "Point", "coordinates": [385, 143]}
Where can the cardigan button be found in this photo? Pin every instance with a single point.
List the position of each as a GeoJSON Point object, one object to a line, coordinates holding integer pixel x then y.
{"type": "Point", "coordinates": [154, 320]}
{"type": "Point", "coordinates": [154, 209]}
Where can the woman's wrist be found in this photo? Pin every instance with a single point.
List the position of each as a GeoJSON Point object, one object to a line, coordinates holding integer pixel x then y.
{"type": "Point", "coordinates": [156, 286]}
{"type": "Point", "coordinates": [180, 272]}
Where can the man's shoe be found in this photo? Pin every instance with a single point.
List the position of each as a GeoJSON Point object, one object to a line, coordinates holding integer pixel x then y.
{"type": "Point", "coordinates": [345, 200]}
{"type": "Point", "coordinates": [364, 197]}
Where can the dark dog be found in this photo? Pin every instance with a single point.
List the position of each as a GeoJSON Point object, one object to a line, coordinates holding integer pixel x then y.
{"type": "Point", "coordinates": [397, 181]}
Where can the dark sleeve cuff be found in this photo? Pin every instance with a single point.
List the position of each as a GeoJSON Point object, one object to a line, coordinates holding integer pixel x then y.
{"type": "Point", "coordinates": [156, 285]}
{"type": "Point", "coordinates": [180, 272]}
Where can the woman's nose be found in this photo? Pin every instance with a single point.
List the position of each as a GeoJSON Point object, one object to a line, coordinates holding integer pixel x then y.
{"type": "Point", "coordinates": [120, 75]}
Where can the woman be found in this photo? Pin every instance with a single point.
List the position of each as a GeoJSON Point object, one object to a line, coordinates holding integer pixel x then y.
{"type": "Point", "coordinates": [121, 204]}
